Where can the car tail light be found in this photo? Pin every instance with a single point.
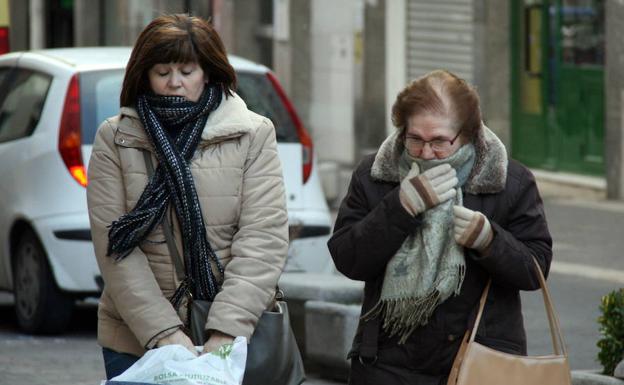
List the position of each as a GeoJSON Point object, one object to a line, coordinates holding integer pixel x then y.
{"type": "Point", "coordinates": [70, 143]}
{"type": "Point", "coordinates": [304, 137]}
{"type": "Point", "coordinates": [4, 40]}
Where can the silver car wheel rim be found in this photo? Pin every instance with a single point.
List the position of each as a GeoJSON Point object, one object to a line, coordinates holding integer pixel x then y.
{"type": "Point", "coordinates": [27, 290]}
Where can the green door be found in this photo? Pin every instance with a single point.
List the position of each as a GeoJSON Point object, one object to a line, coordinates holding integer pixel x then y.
{"type": "Point", "coordinates": [558, 84]}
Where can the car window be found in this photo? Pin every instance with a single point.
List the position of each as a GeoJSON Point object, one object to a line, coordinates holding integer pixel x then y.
{"type": "Point", "coordinates": [99, 99]}
{"type": "Point", "coordinates": [260, 97]}
{"type": "Point", "coordinates": [22, 104]}
{"type": "Point", "coordinates": [4, 77]}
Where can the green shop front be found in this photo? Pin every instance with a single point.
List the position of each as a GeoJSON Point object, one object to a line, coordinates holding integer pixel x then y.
{"type": "Point", "coordinates": [557, 72]}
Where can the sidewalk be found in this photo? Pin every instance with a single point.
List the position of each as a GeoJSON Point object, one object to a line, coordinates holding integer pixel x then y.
{"type": "Point", "coordinates": [561, 185]}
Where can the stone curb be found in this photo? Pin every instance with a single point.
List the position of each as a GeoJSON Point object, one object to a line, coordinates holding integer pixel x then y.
{"type": "Point", "coordinates": [329, 331]}
{"type": "Point", "coordinates": [321, 287]}
{"type": "Point", "coordinates": [299, 288]}
{"type": "Point", "coordinates": [584, 377]}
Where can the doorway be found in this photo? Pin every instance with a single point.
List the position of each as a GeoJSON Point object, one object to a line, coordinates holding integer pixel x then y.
{"type": "Point", "coordinates": [558, 84]}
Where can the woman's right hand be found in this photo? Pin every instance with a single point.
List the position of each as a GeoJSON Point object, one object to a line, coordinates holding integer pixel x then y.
{"type": "Point", "coordinates": [178, 338]}
{"type": "Point", "coordinates": [420, 192]}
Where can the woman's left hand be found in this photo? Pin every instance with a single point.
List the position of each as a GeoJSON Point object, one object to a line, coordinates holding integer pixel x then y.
{"type": "Point", "coordinates": [216, 339]}
{"type": "Point", "coordinates": [472, 229]}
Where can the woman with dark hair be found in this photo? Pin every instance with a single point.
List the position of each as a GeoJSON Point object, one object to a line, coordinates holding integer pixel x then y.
{"type": "Point", "coordinates": [216, 183]}
{"type": "Point", "coordinates": [431, 217]}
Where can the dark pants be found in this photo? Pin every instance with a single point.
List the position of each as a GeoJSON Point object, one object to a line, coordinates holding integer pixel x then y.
{"type": "Point", "coordinates": [117, 363]}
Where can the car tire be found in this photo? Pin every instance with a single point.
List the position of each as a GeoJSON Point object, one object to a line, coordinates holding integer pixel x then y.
{"type": "Point", "coordinates": [40, 307]}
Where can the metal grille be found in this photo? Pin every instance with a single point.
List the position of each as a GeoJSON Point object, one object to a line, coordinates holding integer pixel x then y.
{"type": "Point", "coordinates": [440, 35]}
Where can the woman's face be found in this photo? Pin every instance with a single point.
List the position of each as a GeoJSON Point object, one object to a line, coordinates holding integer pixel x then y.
{"type": "Point", "coordinates": [431, 136]}
{"type": "Point", "coordinates": [177, 79]}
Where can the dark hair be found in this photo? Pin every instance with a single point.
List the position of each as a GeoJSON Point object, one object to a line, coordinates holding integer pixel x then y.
{"type": "Point", "coordinates": [439, 92]}
{"type": "Point", "coordinates": [176, 38]}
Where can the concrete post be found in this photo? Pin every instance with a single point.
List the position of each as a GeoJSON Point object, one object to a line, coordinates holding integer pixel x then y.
{"type": "Point", "coordinates": [494, 78]}
{"type": "Point", "coordinates": [300, 78]}
{"type": "Point", "coordinates": [87, 23]}
{"type": "Point", "coordinates": [223, 21]}
{"type": "Point", "coordinates": [371, 114]}
{"type": "Point", "coordinates": [331, 117]}
{"type": "Point", "coordinates": [20, 30]}
{"type": "Point", "coordinates": [37, 24]}
{"type": "Point", "coordinates": [282, 43]}
{"type": "Point", "coordinates": [395, 59]}
{"type": "Point", "coordinates": [614, 89]}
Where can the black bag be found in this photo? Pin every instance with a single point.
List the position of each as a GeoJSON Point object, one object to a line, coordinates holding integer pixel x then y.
{"type": "Point", "coordinates": [273, 356]}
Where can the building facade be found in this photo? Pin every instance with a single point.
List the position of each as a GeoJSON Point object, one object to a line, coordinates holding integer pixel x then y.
{"type": "Point", "coordinates": [550, 73]}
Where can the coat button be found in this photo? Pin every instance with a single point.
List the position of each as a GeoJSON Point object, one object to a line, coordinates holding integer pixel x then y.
{"type": "Point", "coordinates": [451, 337]}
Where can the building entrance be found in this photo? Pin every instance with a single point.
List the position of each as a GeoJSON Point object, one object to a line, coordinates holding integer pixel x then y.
{"type": "Point", "coordinates": [558, 84]}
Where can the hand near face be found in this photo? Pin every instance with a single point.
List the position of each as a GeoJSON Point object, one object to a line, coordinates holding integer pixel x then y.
{"type": "Point", "coordinates": [422, 192]}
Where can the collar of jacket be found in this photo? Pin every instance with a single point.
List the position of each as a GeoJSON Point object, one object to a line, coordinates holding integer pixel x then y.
{"type": "Point", "coordinates": [488, 175]}
{"type": "Point", "coordinates": [229, 120]}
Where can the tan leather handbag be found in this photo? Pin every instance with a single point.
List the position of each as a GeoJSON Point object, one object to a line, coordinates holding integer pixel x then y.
{"type": "Point", "coordinates": [476, 364]}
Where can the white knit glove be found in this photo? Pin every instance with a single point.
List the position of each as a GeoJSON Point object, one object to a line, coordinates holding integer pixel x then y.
{"type": "Point", "coordinates": [422, 192]}
{"type": "Point", "coordinates": [472, 229]}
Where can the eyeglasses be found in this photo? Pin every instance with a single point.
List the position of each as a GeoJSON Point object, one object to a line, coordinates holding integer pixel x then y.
{"type": "Point", "coordinates": [415, 145]}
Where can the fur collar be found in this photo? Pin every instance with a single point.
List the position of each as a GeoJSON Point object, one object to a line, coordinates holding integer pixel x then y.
{"type": "Point", "coordinates": [488, 175]}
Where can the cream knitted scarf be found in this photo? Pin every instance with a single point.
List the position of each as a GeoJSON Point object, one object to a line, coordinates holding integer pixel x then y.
{"type": "Point", "coordinates": [429, 266]}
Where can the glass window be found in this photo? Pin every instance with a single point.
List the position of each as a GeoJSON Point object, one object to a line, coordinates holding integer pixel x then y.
{"type": "Point", "coordinates": [583, 32]}
{"type": "Point", "coordinates": [22, 105]}
{"type": "Point", "coordinates": [4, 88]}
{"type": "Point", "coordinates": [260, 96]}
{"type": "Point", "coordinates": [99, 99]}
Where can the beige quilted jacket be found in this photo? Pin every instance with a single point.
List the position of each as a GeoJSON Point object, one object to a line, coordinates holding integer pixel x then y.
{"type": "Point", "coordinates": [239, 183]}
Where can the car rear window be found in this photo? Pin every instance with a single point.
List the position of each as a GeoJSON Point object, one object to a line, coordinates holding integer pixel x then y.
{"type": "Point", "coordinates": [260, 96]}
{"type": "Point", "coordinates": [99, 99]}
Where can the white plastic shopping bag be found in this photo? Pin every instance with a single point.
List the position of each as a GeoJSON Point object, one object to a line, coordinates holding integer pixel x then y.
{"type": "Point", "coordinates": [174, 364]}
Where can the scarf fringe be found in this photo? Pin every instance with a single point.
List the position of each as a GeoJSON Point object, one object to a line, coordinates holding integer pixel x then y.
{"type": "Point", "coordinates": [402, 316]}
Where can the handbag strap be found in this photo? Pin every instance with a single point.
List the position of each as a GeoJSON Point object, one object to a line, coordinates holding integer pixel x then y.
{"type": "Point", "coordinates": [553, 321]}
{"type": "Point", "coordinates": [555, 329]}
{"type": "Point", "coordinates": [169, 237]}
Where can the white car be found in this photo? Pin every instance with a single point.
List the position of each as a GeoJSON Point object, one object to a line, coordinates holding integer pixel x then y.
{"type": "Point", "coordinates": [51, 103]}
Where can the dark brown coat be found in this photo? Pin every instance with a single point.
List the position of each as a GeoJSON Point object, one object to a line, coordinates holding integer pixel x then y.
{"type": "Point", "coordinates": [371, 226]}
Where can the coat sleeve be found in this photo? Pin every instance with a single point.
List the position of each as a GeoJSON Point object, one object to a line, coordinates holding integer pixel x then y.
{"type": "Point", "coordinates": [526, 235]}
{"type": "Point", "coordinates": [130, 282]}
{"type": "Point", "coordinates": [365, 238]}
{"type": "Point", "coordinates": [260, 246]}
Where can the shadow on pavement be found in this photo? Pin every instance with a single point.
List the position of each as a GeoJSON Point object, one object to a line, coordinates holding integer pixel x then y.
{"type": "Point", "coordinates": [83, 322]}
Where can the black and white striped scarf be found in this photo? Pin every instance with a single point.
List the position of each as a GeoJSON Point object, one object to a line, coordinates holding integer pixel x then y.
{"type": "Point", "coordinates": [174, 126]}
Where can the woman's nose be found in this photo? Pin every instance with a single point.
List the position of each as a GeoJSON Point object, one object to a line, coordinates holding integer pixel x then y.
{"type": "Point", "coordinates": [175, 80]}
{"type": "Point", "coordinates": [427, 152]}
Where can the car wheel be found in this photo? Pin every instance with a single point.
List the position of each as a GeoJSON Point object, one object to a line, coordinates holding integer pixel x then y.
{"type": "Point", "coordinates": [40, 306]}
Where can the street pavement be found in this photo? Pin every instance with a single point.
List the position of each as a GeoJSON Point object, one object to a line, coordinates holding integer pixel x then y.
{"type": "Point", "coordinates": [588, 263]}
